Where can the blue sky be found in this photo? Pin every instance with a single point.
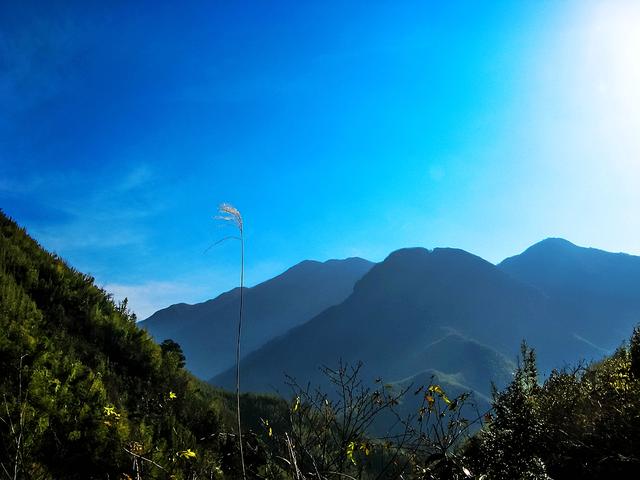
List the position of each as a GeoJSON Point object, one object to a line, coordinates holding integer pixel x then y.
{"type": "Point", "coordinates": [337, 128]}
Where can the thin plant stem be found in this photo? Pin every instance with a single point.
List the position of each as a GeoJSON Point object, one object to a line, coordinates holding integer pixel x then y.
{"type": "Point", "coordinates": [244, 476]}
{"type": "Point", "coordinates": [229, 213]}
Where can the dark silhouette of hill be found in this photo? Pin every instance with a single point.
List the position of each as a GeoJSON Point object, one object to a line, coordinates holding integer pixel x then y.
{"type": "Point", "coordinates": [594, 294]}
{"type": "Point", "coordinates": [417, 310]}
{"type": "Point", "coordinates": [207, 331]}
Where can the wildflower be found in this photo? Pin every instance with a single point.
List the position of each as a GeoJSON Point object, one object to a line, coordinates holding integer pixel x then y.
{"type": "Point", "coordinates": [365, 448]}
{"type": "Point", "coordinates": [188, 454]}
{"type": "Point", "coordinates": [110, 411]}
{"type": "Point", "coordinates": [430, 400]}
{"type": "Point", "coordinates": [267, 426]}
{"type": "Point", "coordinates": [172, 396]}
{"type": "Point", "coordinates": [438, 390]}
{"type": "Point", "coordinates": [350, 449]}
{"type": "Point", "coordinates": [296, 404]}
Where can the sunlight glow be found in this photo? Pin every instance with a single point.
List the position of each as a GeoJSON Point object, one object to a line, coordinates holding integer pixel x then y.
{"type": "Point", "coordinates": [612, 71]}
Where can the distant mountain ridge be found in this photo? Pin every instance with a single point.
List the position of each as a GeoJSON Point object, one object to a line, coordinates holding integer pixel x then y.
{"type": "Point", "coordinates": [417, 299]}
{"type": "Point", "coordinates": [396, 317]}
{"type": "Point", "coordinates": [207, 331]}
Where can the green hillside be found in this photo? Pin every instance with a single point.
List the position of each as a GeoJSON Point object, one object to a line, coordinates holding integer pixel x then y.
{"type": "Point", "coordinates": [82, 385]}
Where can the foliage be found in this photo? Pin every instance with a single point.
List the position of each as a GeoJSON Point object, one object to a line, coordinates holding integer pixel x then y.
{"type": "Point", "coordinates": [85, 393]}
{"type": "Point", "coordinates": [330, 434]}
{"type": "Point", "coordinates": [580, 423]}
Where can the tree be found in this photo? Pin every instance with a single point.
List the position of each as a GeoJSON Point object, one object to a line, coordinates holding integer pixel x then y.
{"type": "Point", "coordinates": [171, 348]}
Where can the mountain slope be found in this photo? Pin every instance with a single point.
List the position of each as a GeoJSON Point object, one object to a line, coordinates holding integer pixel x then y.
{"type": "Point", "coordinates": [80, 382]}
{"type": "Point", "coordinates": [397, 314]}
{"type": "Point", "coordinates": [595, 293]}
{"type": "Point", "coordinates": [207, 331]}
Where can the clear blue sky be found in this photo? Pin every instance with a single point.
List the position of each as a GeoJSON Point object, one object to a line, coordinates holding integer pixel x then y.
{"type": "Point", "coordinates": [337, 128]}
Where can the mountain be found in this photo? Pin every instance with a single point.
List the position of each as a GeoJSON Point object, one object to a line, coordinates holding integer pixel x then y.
{"type": "Point", "coordinates": [207, 331]}
{"type": "Point", "coordinates": [595, 293]}
{"type": "Point", "coordinates": [444, 309]}
{"type": "Point", "coordinates": [450, 311]}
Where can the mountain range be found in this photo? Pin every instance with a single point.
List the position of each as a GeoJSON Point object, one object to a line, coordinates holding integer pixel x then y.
{"type": "Point", "coordinates": [207, 331]}
{"type": "Point", "coordinates": [420, 313]}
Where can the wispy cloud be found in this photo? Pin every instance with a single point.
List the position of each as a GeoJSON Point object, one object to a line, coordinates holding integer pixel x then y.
{"type": "Point", "coordinates": [15, 186]}
{"type": "Point", "coordinates": [108, 215]}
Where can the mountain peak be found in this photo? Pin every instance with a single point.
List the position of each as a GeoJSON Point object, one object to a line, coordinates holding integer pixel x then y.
{"type": "Point", "coordinates": [554, 242]}
{"type": "Point", "coordinates": [549, 247]}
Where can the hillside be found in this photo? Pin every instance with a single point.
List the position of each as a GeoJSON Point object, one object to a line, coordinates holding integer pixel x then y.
{"type": "Point", "coordinates": [207, 331]}
{"type": "Point", "coordinates": [80, 382]}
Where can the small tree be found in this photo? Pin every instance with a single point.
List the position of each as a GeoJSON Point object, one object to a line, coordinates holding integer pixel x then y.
{"type": "Point", "coordinates": [508, 447]}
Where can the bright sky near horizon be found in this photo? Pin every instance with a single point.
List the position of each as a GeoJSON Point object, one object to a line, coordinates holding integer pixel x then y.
{"type": "Point", "coordinates": [337, 128]}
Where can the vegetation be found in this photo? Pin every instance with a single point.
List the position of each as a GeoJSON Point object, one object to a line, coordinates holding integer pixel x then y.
{"type": "Point", "coordinates": [580, 423]}
{"type": "Point", "coordinates": [86, 394]}
{"type": "Point", "coordinates": [229, 213]}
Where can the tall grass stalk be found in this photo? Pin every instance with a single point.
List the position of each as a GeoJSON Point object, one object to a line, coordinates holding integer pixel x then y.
{"type": "Point", "coordinates": [229, 213]}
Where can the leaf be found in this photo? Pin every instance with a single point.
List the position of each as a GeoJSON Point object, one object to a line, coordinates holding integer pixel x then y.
{"type": "Point", "coordinates": [350, 449]}
{"type": "Point", "coordinates": [436, 389]}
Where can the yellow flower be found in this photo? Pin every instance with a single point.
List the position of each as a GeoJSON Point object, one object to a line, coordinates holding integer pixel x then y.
{"type": "Point", "coordinates": [188, 453]}
{"type": "Point", "coordinates": [172, 396]}
{"type": "Point", "coordinates": [296, 404]}
{"type": "Point", "coordinates": [110, 411]}
{"type": "Point", "coordinates": [430, 400]}
{"type": "Point", "coordinates": [365, 448]}
{"type": "Point", "coordinates": [350, 449]}
{"type": "Point", "coordinates": [438, 389]}
{"type": "Point", "coordinates": [268, 427]}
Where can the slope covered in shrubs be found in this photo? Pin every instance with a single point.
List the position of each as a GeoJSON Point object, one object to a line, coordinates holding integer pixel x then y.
{"type": "Point", "coordinates": [582, 422]}
{"type": "Point", "coordinates": [85, 393]}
